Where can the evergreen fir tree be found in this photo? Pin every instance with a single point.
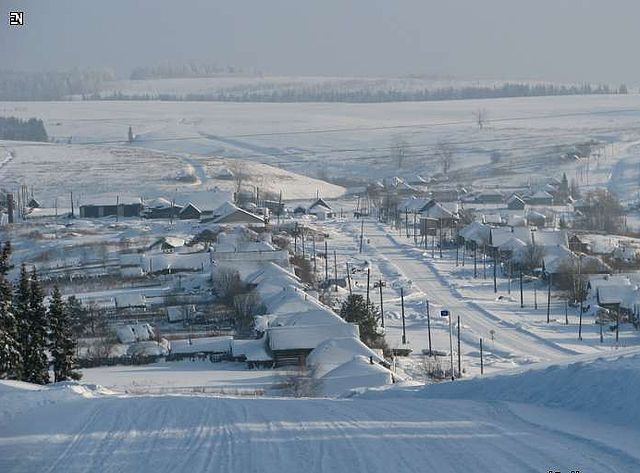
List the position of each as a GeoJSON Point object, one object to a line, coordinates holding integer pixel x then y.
{"type": "Point", "coordinates": [78, 316]}
{"type": "Point", "coordinates": [21, 313]}
{"type": "Point", "coordinates": [10, 357]}
{"type": "Point", "coordinates": [62, 343]}
{"type": "Point", "coordinates": [355, 310]}
{"type": "Point", "coordinates": [36, 364]}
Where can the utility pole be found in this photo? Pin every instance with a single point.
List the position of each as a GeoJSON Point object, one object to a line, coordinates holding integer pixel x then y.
{"type": "Point", "coordinates": [349, 278]}
{"type": "Point", "coordinates": [521, 293]}
{"type": "Point", "coordinates": [481, 358]}
{"type": "Point", "coordinates": [315, 262]}
{"type": "Point", "coordinates": [326, 264]}
{"type": "Point", "coordinates": [445, 313]}
{"type": "Point", "coordinates": [484, 262]}
{"type": "Point", "coordinates": [279, 207]}
{"type": "Point", "coordinates": [335, 270]}
{"type": "Point", "coordinates": [406, 222]}
{"type": "Point", "coordinates": [580, 324]}
{"type": "Point", "coordinates": [368, 279]}
{"type": "Point", "coordinates": [404, 334]}
{"type": "Point", "coordinates": [475, 260]}
{"type": "Point", "coordinates": [600, 323]}
{"type": "Point", "coordinates": [381, 304]}
{"type": "Point", "coordinates": [429, 328]}
{"type": "Point", "coordinates": [459, 352]}
{"type": "Point", "coordinates": [566, 312]}
{"type": "Point", "coordinates": [495, 282]}
{"type": "Point", "coordinates": [361, 234]}
{"type": "Point", "coordinates": [580, 287]}
{"type": "Point", "coordinates": [535, 297]}
{"type": "Point", "coordinates": [433, 244]}
{"type": "Point", "coordinates": [73, 215]}
{"type": "Point", "coordinates": [617, 323]}
{"type": "Point", "coordinates": [440, 225]}
{"type": "Point", "coordinates": [549, 298]}
{"type": "Point", "coordinates": [509, 286]}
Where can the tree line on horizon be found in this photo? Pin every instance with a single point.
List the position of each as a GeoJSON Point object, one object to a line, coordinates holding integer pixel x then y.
{"type": "Point", "coordinates": [365, 94]}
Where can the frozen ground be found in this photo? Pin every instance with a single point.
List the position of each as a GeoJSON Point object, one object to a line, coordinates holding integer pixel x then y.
{"type": "Point", "coordinates": [103, 172]}
{"type": "Point", "coordinates": [573, 418]}
{"type": "Point", "coordinates": [186, 376]}
{"type": "Point", "coordinates": [352, 142]}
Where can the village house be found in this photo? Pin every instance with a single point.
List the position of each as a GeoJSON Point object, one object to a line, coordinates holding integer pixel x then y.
{"type": "Point", "coordinates": [121, 209]}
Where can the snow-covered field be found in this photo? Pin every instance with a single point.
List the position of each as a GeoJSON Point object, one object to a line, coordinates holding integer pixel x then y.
{"type": "Point", "coordinates": [100, 173]}
{"type": "Point", "coordinates": [187, 375]}
{"type": "Point", "coordinates": [353, 141]}
{"type": "Point", "coordinates": [573, 418]}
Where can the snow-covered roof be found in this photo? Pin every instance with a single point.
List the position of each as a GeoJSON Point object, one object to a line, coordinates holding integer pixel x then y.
{"type": "Point", "coordinates": [320, 202]}
{"type": "Point", "coordinates": [501, 235]}
{"type": "Point", "coordinates": [437, 210]}
{"type": "Point", "coordinates": [252, 350]}
{"type": "Point", "coordinates": [231, 213]}
{"type": "Point", "coordinates": [157, 203]}
{"type": "Point", "coordinates": [206, 344]}
{"type": "Point", "coordinates": [512, 244]}
{"type": "Point", "coordinates": [413, 204]}
{"type": "Point", "coordinates": [556, 258]}
{"type": "Point", "coordinates": [308, 337]}
{"type": "Point", "coordinates": [492, 219]}
{"type": "Point", "coordinates": [299, 308]}
{"type": "Point", "coordinates": [131, 333]}
{"type": "Point", "coordinates": [476, 231]}
{"type": "Point", "coordinates": [336, 351]}
{"type": "Point", "coordinates": [550, 237]}
{"type": "Point", "coordinates": [356, 373]}
{"type": "Point", "coordinates": [541, 194]}
{"type": "Point", "coordinates": [623, 295]}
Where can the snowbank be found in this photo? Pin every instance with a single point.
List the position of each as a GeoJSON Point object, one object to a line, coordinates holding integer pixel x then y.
{"type": "Point", "coordinates": [606, 388]}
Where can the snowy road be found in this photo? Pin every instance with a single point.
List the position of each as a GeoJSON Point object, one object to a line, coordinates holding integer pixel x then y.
{"type": "Point", "coordinates": [510, 339]}
{"type": "Point", "coordinates": [204, 434]}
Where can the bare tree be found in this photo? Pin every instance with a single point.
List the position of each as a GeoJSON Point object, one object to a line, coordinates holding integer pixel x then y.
{"type": "Point", "coordinates": [227, 284]}
{"type": "Point", "coordinates": [399, 150]}
{"type": "Point", "coordinates": [444, 153]}
{"type": "Point", "coordinates": [532, 256]}
{"type": "Point", "coordinates": [240, 174]}
{"type": "Point", "coordinates": [246, 307]}
{"type": "Point", "coordinates": [481, 117]}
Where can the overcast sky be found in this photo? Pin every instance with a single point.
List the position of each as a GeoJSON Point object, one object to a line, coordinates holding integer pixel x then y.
{"type": "Point", "coordinates": [569, 40]}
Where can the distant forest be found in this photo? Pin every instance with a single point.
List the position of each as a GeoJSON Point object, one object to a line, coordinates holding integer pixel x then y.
{"type": "Point", "coordinates": [15, 129]}
{"type": "Point", "coordinates": [334, 93]}
{"type": "Point", "coordinates": [180, 71]}
{"type": "Point", "coordinates": [31, 86]}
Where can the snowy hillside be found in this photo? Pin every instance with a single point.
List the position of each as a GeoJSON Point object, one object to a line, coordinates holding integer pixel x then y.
{"type": "Point", "coordinates": [354, 142]}
{"type": "Point", "coordinates": [95, 172]}
{"type": "Point", "coordinates": [454, 427]}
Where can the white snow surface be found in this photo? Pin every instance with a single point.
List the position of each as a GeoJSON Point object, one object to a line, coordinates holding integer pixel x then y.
{"type": "Point", "coordinates": [583, 416]}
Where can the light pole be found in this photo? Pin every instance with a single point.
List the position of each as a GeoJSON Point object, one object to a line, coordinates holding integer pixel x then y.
{"type": "Point", "coordinates": [445, 313]}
